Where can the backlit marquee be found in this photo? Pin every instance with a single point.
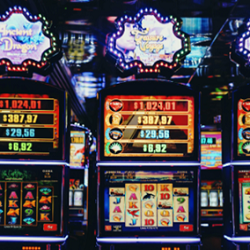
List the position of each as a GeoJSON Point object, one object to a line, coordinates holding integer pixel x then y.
{"type": "Point", "coordinates": [148, 42]}
{"type": "Point", "coordinates": [26, 42]}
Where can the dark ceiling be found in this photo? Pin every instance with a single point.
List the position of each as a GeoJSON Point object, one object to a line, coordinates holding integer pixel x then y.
{"type": "Point", "coordinates": [214, 72]}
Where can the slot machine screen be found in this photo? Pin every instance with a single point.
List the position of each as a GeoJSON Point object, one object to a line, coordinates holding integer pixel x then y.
{"type": "Point", "coordinates": [32, 121]}
{"type": "Point", "coordinates": [155, 126]}
{"type": "Point", "coordinates": [211, 153]}
{"type": "Point", "coordinates": [30, 200]}
{"type": "Point", "coordinates": [242, 211]}
{"type": "Point", "coordinates": [77, 148]}
{"type": "Point", "coordinates": [211, 198]}
{"type": "Point", "coordinates": [78, 193]}
{"type": "Point", "coordinates": [145, 202]}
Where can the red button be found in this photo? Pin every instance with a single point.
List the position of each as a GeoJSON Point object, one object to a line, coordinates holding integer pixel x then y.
{"type": "Point", "coordinates": [108, 228]}
{"type": "Point", "coordinates": [186, 228]}
{"type": "Point", "coordinates": [49, 227]}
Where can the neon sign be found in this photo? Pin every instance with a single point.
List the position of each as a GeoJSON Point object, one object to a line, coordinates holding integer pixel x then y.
{"type": "Point", "coordinates": [240, 50]}
{"type": "Point", "coordinates": [26, 42]}
{"type": "Point", "coordinates": [148, 42]}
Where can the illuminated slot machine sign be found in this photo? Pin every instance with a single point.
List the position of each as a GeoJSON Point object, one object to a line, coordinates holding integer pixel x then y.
{"type": "Point", "coordinates": [31, 124]}
{"type": "Point", "coordinates": [148, 126]}
{"type": "Point", "coordinates": [77, 148]}
{"type": "Point", "coordinates": [148, 202]}
{"type": "Point", "coordinates": [30, 200]}
{"type": "Point", "coordinates": [211, 150]}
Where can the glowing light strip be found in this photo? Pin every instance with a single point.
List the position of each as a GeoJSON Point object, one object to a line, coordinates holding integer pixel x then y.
{"type": "Point", "coordinates": [144, 240]}
{"type": "Point", "coordinates": [18, 162]}
{"type": "Point", "coordinates": [239, 163]}
{"type": "Point", "coordinates": [117, 163]}
{"type": "Point", "coordinates": [33, 239]}
{"type": "Point", "coordinates": [237, 239]}
{"type": "Point", "coordinates": [204, 225]}
{"type": "Point", "coordinates": [77, 168]}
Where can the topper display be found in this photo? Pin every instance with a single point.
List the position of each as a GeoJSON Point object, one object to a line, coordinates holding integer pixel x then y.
{"type": "Point", "coordinates": [240, 49]}
{"type": "Point", "coordinates": [27, 43]}
{"type": "Point", "coordinates": [148, 42]}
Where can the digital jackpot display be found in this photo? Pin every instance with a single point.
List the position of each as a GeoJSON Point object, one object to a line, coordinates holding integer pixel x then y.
{"type": "Point", "coordinates": [77, 148]}
{"type": "Point", "coordinates": [29, 125]}
{"type": "Point", "coordinates": [211, 152]}
{"type": "Point", "coordinates": [30, 200]}
{"type": "Point", "coordinates": [148, 126]}
{"type": "Point", "coordinates": [145, 201]}
{"type": "Point", "coordinates": [243, 128]}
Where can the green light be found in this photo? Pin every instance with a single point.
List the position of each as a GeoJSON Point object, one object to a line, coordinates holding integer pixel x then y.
{"type": "Point", "coordinates": [170, 17]}
{"type": "Point", "coordinates": [47, 23]}
{"type": "Point", "coordinates": [186, 50]}
{"type": "Point", "coordinates": [182, 52]}
{"type": "Point", "coordinates": [178, 24]}
{"type": "Point", "coordinates": [47, 32]}
{"type": "Point", "coordinates": [178, 55]}
{"type": "Point", "coordinates": [175, 19]}
{"type": "Point", "coordinates": [40, 15]}
{"type": "Point", "coordinates": [50, 51]}
{"type": "Point", "coordinates": [53, 38]}
{"type": "Point", "coordinates": [51, 34]}
{"type": "Point", "coordinates": [44, 18]}
{"type": "Point", "coordinates": [44, 58]}
{"type": "Point", "coordinates": [46, 54]}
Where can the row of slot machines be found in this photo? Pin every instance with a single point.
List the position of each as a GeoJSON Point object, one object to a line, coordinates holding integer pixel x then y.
{"type": "Point", "coordinates": [154, 186]}
{"type": "Point", "coordinates": [148, 166]}
{"type": "Point", "coordinates": [148, 169]}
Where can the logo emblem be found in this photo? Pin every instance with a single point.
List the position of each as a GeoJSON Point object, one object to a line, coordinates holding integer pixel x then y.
{"type": "Point", "coordinates": [246, 105]}
{"type": "Point", "coordinates": [115, 148]}
{"type": "Point", "coordinates": [115, 133]}
{"type": "Point", "coordinates": [116, 105]}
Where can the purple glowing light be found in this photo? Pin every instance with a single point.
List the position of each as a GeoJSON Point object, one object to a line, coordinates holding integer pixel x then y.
{"type": "Point", "coordinates": [147, 163]}
{"type": "Point", "coordinates": [238, 239]}
{"type": "Point", "coordinates": [33, 239]}
{"type": "Point", "coordinates": [149, 240]}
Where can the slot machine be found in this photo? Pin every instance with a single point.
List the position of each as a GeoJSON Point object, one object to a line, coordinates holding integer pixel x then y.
{"type": "Point", "coordinates": [33, 165]}
{"type": "Point", "coordinates": [148, 168]}
{"type": "Point", "coordinates": [236, 169]}
{"type": "Point", "coordinates": [78, 183]}
{"type": "Point", "coordinates": [211, 195]}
